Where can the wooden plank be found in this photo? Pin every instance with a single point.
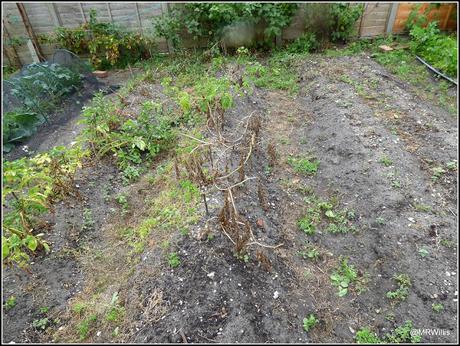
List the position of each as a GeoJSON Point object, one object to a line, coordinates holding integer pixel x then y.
{"type": "Point", "coordinates": [82, 12]}
{"type": "Point", "coordinates": [138, 18]}
{"type": "Point", "coordinates": [33, 38]}
{"type": "Point", "coordinates": [109, 12]}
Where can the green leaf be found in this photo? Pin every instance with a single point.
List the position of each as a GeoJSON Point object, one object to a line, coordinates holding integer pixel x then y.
{"type": "Point", "coordinates": [330, 214]}
{"type": "Point", "coordinates": [343, 292]}
{"type": "Point", "coordinates": [139, 142]}
{"type": "Point", "coordinates": [5, 248]}
{"type": "Point", "coordinates": [31, 242]}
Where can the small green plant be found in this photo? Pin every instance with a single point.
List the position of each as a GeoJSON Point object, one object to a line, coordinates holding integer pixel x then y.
{"type": "Point", "coordinates": [305, 166]}
{"type": "Point", "coordinates": [386, 161]}
{"type": "Point", "coordinates": [366, 336]}
{"type": "Point", "coordinates": [88, 220]}
{"type": "Point", "coordinates": [131, 174]}
{"type": "Point", "coordinates": [447, 243]}
{"type": "Point", "coordinates": [343, 276]}
{"type": "Point", "coordinates": [116, 311]}
{"type": "Point", "coordinates": [437, 307]}
{"type": "Point", "coordinates": [173, 260]}
{"type": "Point", "coordinates": [10, 302]}
{"type": "Point", "coordinates": [309, 322]}
{"type": "Point", "coordinates": [402, 291]}
{"type": "Point", "coordinates": [41, 323]}
{"type": "Point", "coordinates": [44, 309]}
{"type": "Point", "coordinates": [438, 172]}
{"type": "Point", "coordinates": [78, 308]}
{"type": "Point", "coordinates": [243, 257]}
{"type": "Point", "coordinates": [380, 221]}
{"type": "Point", "coordinates": [84, 326]}
{"type": "Point", "coordinates": [438, 49]}
{"type": "Point", "coordinates": [451, 165]}
{"type": "Point", "coordinates": [123, 201]}
{"type": "Point", "coordinates": [30, 186]}
{"type": "Point", "coordinates": [423, 252]}
{"type": "Point", "coordinates": [422, 207]}
{"type": "Point", "coordinates": [306, 225]}
{"type": "Point", "coordinates": [402, 334]}
{"type": "Point", "coordinates": [310, 253]}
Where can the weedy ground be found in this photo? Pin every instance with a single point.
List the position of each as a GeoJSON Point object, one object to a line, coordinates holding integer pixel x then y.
{"type": "Point", "coordinates": [295, 198]}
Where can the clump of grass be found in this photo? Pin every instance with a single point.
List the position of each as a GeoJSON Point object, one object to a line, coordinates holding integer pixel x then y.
{"type": "Point", "coordinates": [366, 336]}
{"type": "Point", "coordinates": [85, 326]}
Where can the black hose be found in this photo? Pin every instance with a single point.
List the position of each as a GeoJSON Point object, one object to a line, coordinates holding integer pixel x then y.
{"type": "Point", "coordinates": [434, 70]}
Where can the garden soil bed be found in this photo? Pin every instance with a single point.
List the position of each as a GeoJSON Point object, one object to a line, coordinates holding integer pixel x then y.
{"type": "Point", "coordinates": [214, 296]}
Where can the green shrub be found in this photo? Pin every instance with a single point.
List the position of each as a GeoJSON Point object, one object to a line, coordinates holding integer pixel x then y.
{"type": "Point", "coordinates": [439, 50]}
{"type": "Point", "coordinates": [207, 20]}
{"type": "Point", "coordinates": [303, 44]}
{"type": "Point", "coordinates": [344, 17]}
{"type": "Point", "coordinates": [107, 44]}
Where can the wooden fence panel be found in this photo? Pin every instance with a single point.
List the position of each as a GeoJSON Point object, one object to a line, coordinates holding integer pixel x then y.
{"type": "Point", "coordinates": [446, 14]}
{"type": "Point", "coordinates": [70, 14]}
{"type": "Point", "coordinates": [137, 17]}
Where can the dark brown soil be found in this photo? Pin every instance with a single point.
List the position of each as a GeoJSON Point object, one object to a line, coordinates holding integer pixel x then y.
{"type": "Point", "coordinates": [215, 297]}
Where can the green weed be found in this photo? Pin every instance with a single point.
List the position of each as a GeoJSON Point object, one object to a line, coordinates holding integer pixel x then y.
{"type": "Point", "coordinates": [305, 166]}
{"type": "Point", "coordinates": [309, 322]}
{"type": "Point", "coordinates": [10, 302]}
{"type": "Point", "coordinates": [401, 293]}
{"type": "Point", "coordinates": [173, 260]}
{"type": "Point", "coordinates": [437, 307]}
{"type": "Point", "coordinates": [343, 276]}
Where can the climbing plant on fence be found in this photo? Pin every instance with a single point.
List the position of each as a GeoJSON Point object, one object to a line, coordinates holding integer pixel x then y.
{"type": "Point", "coordinates": [207, 20]}
{"type": "Point", "coordinates": [107, 45]}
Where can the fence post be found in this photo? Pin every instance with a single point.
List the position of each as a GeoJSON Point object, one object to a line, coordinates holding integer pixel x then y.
{"type": "Point", "coordinates": [109, 11]}
{"type": "Point", "coordinates": [82, 12]}
{"type": "Point", "coordinates": [30, 31]}
{"type": "Point", "coordinates": [54, 14]}
{"type": "Point", "coordinates": [391, 18]}
{"type": "Point", "coordinates": [139, 18]}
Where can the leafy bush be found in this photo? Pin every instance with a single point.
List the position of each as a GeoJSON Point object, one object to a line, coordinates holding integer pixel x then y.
{"type": "Point", "coordinates": [127, 138]}
{"type": "Point", "coordinates": [17, 126]}
{"type": "Point", "coordinates": [344, 17]}
{"type": "Point", "coordinates": [29, 186]}
{"type": "Point", "coordinates": [107, 45]}
{"type": "Point", "coordinates": [440, 50]}
{"type": "Point", "coordinates": [303, 44]}
{"type": "Point", "coordinates": [207, 20]}
{"type": "Point", "coordinates": [34, 93]}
